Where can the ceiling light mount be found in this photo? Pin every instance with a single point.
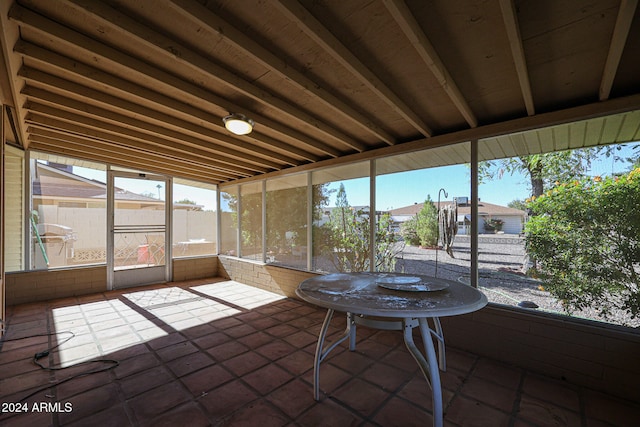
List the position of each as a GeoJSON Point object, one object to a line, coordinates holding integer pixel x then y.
{"type": "Point", "coordinates": [238, 124]}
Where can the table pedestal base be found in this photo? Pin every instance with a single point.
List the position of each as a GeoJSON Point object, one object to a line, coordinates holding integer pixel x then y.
{"type": "Point", "coordinates": [429, 362]}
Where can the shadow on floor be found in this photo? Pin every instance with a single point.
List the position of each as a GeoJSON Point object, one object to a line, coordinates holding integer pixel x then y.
{"type": "Point", "coordinates": [216, 352]}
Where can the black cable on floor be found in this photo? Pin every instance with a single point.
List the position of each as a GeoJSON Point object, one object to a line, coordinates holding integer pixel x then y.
{"type": "Point", "coordinates": [42, 354]}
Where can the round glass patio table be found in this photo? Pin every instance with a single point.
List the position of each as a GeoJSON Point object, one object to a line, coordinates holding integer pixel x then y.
{"type": "Point", "coordinates": [392, 301]}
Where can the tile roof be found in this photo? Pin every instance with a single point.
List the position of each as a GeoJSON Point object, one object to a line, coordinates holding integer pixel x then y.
{"type": "Point", "coordinates": [484, 208]}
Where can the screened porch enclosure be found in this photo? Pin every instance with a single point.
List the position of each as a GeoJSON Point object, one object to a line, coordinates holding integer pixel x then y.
{"type": "Point", "coordinates": [365, 116]}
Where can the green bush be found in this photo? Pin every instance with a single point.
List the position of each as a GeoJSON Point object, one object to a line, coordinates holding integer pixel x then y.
{"type": "Point", "coordinates": [422, 229]}
{"type": "Point", "coordinates": [409, 233]}
{"type": "Point", "coordinates": [585, 237]}
{"type": "Point", "coordinates": [344, 239]}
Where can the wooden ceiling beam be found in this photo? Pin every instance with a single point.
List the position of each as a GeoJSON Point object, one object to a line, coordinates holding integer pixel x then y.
{"type": "Point", "coordinates": [118, 145]}
{"type": "Point", "coordinates": [6, 86]}
{"type": "Point", "coordinates": [57, 121]}
{"type": "Point", "coordinates": [83, 108]}
{"type": "Point", "coordinates": [138, 160]}
{"type": "Point", "coordinates": [10, 64]}
{"type": "Point", "coordinates": [206, 18]}
{"type": "Point", "coordinates": [198, 157]}
{"type": "Point", "coordinates": [330, 43]}
{"type": "Point", "coordinates": [514, 126]}
{"type": "Point", "coordinates": [171, 50]}
{"type": "Point", "coordinates": [122, 158]}
{"type": "Point", "coordinates": [89, 75]}
{"type": "Point", "coordinates": [427, 52]}
{"type": "Point", "coordinates": [625, 17]}
{"type": "Point", "coordinates": [94, 97]}
{"type": "Point", "coordinates": [51, 117]}
{"type": "Point", "coordinates": [517, 52]}
{"type": "Point", "coordinates": [151, 116]}
{"type": "Point", "coordinates": [152, 76]}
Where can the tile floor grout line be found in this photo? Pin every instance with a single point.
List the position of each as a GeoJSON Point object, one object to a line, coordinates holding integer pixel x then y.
{"type": "Point", "coordinates": [369, 419]}
{"type": "Point", "coordinates": [33, 320]}
{"type": "Point", "coordinates": [515, 408]}
{"type": "Point", "coordinates": [509, 413]}
{"type": "Point", "coordinates": [458, 390]}
{"type": "Point", "coordinates": [174, 379]}
{"type": "Point", "coordinates": [55, 419]}
{"type": "Point", "coordinates": [125, 406]}
{"type": "Point", "coordinates": [582, 406]}
{"type": "Point", "coordinates": [393, 395]}
{"type": "Point", "coordinates": [259, 395]}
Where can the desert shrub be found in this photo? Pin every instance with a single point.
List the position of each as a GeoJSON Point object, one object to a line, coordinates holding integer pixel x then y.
{"type": "Point", "coordinates": [585, 237]}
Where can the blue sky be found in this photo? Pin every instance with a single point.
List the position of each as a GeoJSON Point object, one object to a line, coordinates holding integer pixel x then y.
{"type": "Point", "coordinates": [398, 190]}
{"type": "Point", "coordinates": [403, 189]}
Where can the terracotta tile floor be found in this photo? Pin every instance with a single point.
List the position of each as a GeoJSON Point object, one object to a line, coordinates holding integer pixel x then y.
{"type": "Point", "coordinates": [215, 352]}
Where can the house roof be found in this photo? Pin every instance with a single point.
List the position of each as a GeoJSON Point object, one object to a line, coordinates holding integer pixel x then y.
{"type": "Point", "coordinates": [145, 84]}
{"type": "Point", "coordinates": [484, 208]}
{"type": "Point", "coordinates": [53, 182]}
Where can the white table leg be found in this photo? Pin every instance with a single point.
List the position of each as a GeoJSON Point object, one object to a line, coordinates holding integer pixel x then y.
{"type": "Point", "coordinates": [428, 366]}
{"type": "Point", "coordinates": [351, 327]}
{"type": "Point", "coordinates": [439, 334]}
{"type": "Point", "coordinates": [321, 353]}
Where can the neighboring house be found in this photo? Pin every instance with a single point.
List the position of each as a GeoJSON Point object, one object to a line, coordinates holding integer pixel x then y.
{"type": "Point", "coordinates": [57, 185]}
{"type": "Point", "coordinates": [513, 219]}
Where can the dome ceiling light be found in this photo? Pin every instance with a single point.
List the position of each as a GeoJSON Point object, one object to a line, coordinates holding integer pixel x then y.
{"type": "Point", "coordinates": [238, 124]}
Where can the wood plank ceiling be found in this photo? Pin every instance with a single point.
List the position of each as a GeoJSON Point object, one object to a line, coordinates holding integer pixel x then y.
{"type": "Point", "coordinates": [144, 84]}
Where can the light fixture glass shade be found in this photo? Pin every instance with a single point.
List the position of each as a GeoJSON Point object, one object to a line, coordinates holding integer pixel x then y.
{"type": "Point", "coordinates": [238, 123]}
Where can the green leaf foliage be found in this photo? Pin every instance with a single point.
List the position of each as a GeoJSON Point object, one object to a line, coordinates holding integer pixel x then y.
{"type": "Point", "coordinates": [344, 239]}
{"type": "Point", "coordinates": [422, 229]}
{"type": "Point", "coordinates": [585, 236]}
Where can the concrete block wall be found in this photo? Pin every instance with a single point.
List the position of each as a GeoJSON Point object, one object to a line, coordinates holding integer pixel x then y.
{"type": "Point", "coordinates": [32, 286]}
{"type": "Point", "coordinates": [283, 281]}
{"type": "Point", "coordinates": [43, 285]}
{"type": "Point", "coordinates": [599, 356]}
{"type": "Point", "coordinates": [194, 268]}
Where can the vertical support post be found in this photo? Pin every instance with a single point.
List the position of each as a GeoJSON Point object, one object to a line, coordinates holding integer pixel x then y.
{"type": "Point", "coordinates": [218, 220]}
{"type": "Point", "coordinates": [239, 225]}
{"type": "Point", "coordinates": [474, 213]}
{"type": "Point", "coordinates": [442, 190]}
{"type": "Point", "coordinates": [309, 221]}
{"type": "Point", "coordinates": [373, 224]}
{"type": "Point", "coordinates": [2, 280]}
{"type": "Point", "coordinates": [168, 231]}
{"type": "Point", "coordinates": [27, 206]}
{"type": "Point", "coordinates": [110, 227]}
{"type": "Point", "coordinates": [264, 221]}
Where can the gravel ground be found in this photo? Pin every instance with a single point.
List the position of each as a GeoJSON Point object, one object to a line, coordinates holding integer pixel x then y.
{"type": "Point", "coordinates": [502, 261]}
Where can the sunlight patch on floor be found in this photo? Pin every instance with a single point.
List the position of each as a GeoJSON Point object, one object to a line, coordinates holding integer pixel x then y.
{"type": "Point", "coordinates": [92, 330]}
{"type": "Point", "coordinates": [238, 295]}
